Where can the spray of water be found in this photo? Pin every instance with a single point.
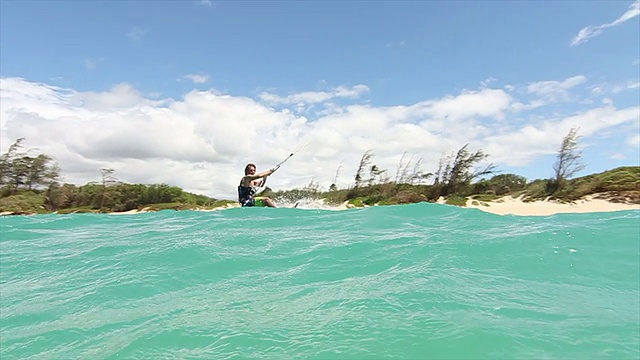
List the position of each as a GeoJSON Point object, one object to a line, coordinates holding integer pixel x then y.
{"type": "Point", "coordinates": [306, 202]}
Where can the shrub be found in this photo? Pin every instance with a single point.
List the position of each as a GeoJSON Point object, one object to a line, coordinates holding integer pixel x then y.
{"type": "Point", "coordinates": [456, 200]}
{"type": "Point", "coordinates": [24, 203]}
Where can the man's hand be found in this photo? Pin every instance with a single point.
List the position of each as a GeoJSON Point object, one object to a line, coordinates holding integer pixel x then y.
{"type": "Point", "coordinates": [273, 169]}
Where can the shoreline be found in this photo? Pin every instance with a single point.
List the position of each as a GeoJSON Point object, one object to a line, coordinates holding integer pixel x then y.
{"type": "Point", "coordinates": [508, 205]}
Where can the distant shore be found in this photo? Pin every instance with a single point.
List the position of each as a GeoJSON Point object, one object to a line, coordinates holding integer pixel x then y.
{"type": "Point", "coordinates": [149, 209]}
{"type": "Point", "coordinates": [509, 205]}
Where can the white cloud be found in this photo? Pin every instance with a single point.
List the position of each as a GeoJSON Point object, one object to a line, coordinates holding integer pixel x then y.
{"type": "Point", "coordinates": [633, 85]}
{"type": "Point", "coordinates": [542, 93]}
{"type": "Point", "coordinates": [137, 33]}
{"type": "Point", "coordinates": [594, 30]}
{"type": "Point", "coordinates": [614, 88]}
{"type": "Point", "coordinates": [121, 96]}
{"type": "Point", "coordinates": [197, 79]}
{"type": "Point", "coordinates": [484, 103]}
{"type": "Point", "coordinates": [313, 97]}
{"type": "Point", "coordinates": [634, 140]}
{"type": "Point", "coordinates": [208, 3]}
{"type": "Point", "coordinates": [617, 156]}
{"type": "Point", "coordinates": [202, 141]}
{"type": "Point", "coordinates": [485, 83]}
{"type": "Point", "coordinates": [597, 89]}
{"type": "Point", "coordinates": [554, 90]}
{"type": "Point", "coordinates": [620, 87]}
{"type": "Point", "coordinates": [521, 146]}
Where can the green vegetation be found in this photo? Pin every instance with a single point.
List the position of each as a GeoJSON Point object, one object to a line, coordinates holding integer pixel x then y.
{"type": "Point", "coordinates": [459, 178]}
{"type": "Point", "coordinates": [28, 185]}
{"type": "Point", "coordinates": [617, 185]}
{"type": "Point", "coordinates": [95, 198]}
{"type": "Point", "coordinates": [568, 161]}
{"type": "Point", "coordinates": [27, 202]}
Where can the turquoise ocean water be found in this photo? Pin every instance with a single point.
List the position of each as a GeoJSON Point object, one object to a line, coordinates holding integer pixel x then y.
{"type": "Point", "coordinates": [424, 281]}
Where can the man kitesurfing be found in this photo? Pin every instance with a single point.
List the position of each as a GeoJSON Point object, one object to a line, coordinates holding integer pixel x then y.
{"type": "Point", "coordinates": [249, 185]}
{"type": "Point", "coordinates": [252, 182]}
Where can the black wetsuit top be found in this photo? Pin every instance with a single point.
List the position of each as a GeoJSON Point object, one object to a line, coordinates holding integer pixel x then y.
{"type": "Point", "coordinates": [246, 195]}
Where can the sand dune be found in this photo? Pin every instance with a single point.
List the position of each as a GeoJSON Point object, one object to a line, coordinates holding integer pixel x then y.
{"type": "Point", "coordinates": [515, 206]}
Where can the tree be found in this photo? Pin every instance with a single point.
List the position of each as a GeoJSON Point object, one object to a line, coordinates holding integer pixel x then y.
{"type": "Point", "coordinates": [313, 187]}
{"type": "Point", "coordinates": [41, 171]}
{"type": "Point", "coordinates": [568, 161]}
{"type": "Point", "coordinates": [456, 173]}
{"type": "Point", "coordinates": [333, 186]}
{"type": "Point", "coordinates": [60, 197]}
{"type": "Point", "coordinates": [19, 169]}
{"type": "Point", "coordinates": [501, 184]}
{"type": "Point", "coordinates": [375, 173]}
{"type": "Point", "coordinates": [7, 164]}
{"type": "Point", "coordinates": [402, 170]}
{"type": "Point", "coordinates": [108, 179]}
{"type": "Point", "coordinates": [404, 176]}
{"type": "Point", "coordinates": [364, 165]}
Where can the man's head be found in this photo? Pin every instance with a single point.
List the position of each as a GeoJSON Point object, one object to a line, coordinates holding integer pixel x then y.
{"type": "Point", "coordinates": [250, 169]}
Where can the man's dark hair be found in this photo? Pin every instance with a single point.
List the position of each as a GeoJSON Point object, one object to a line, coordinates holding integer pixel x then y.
{"type": "Point", "coordinates": [246, 168]}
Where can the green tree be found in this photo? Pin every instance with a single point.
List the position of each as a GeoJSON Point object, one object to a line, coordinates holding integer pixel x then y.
{"type": "Point", "coordinates": [455, 174]}
{"type": "Point", "coordinates": [501, 184]}
{"type": "Point", "coordinates": [406, 176]}
{"type": "Point", "coordinates": [89, 195]}
{"type": "Point", "coordinates": [60, 197]}
{"type": "Point", "coordinates": [40, 171]}
{"type": "Point", "coordinates": [568, 161]}
{"type": "Point", "coordinates": [11, 167]}
{"type": "Point", "coordinates": [333, 186]}
{"type": "Point", "coordinates": [365, 161]}
{"type": "Point", "coordinates": [19, 169]}
{"type": "Point", "coordinates": [108, 180]}
{"type": "Point", "coordinates": [7, 159]}
{"type": "Point", "coordinates": [375, 174]}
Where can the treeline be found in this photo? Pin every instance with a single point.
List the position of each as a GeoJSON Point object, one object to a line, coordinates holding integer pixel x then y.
{"type": "Point", "coordinates": [458, 176]}
{"type": "Point", "coordinates": [119, 197]}
{"type": "Point", "coordinates": [20, 170]}
{"type": "Point", "coordinates": [458, 173]}
{"type": "Point", "coordinates": [29, 183]}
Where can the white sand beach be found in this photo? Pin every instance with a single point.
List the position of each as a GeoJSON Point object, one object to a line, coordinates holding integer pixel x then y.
{"type": "Point", "coordinates": [516, 206]}
{"type": "Point", "coordinates": [503, 206]}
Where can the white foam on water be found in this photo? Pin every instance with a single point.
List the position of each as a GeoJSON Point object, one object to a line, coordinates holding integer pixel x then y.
{"type": "Point", "coordinates": [308, 203]}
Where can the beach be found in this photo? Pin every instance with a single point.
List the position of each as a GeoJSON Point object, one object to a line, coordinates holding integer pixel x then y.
{"type": "Point", "coordinates": [509, 205]}
{"type": "Point", "coordinates": [506, 205]}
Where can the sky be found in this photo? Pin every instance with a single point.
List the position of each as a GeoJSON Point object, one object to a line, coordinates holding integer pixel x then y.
{"type": "Point", "coordinates": [186, 93]}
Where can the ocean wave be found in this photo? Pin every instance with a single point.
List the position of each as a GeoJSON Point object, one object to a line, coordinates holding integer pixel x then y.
{"type": "Point", "coordinates": [406, 281]}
